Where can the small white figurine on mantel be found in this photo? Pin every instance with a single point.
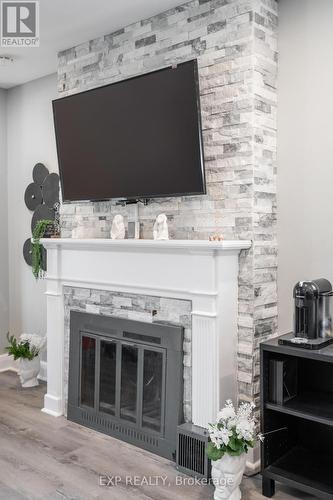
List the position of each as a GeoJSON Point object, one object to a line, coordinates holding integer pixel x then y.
{"type": "Point", "coordinates": [161, 231]}
{"type": "Point", "coordinates": [118, 228]}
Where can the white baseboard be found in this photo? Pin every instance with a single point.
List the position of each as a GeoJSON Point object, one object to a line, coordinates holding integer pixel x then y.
{"type": "Point", "coordinates": [8, 364]}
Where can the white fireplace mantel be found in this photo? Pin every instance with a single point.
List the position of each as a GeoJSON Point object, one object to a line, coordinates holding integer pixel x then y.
{"type": "Point", "coordinates": [201, 271]}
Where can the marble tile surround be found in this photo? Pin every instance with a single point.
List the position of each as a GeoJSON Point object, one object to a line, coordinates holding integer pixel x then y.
{"type": "Point", "coordinates": [144, 308]}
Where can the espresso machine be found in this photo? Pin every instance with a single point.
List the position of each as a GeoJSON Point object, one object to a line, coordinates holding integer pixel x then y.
{"type": "Point", "coordinates": [313, 327]}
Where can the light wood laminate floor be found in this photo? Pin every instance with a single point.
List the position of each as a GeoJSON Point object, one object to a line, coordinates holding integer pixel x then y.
{"type": "Point", "coordinates": [48, 458]}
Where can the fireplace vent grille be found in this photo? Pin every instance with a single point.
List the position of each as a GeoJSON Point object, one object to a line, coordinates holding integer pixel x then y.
{"type": "Point", "coordinates": [109, 426]}
{"type": "Point", "coordinates": [191, 451]}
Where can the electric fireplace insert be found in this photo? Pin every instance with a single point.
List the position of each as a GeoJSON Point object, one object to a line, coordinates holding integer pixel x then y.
{"type": "Point", "coordinates": [126, 379]}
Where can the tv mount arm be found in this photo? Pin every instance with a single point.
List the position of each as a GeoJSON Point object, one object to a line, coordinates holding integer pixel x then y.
{"type": "Point", "coordinates": [123, 203]}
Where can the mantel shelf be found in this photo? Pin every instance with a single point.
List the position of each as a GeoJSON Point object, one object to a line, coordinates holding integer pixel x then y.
{"type": "Point", "coordinates": [200, 246]}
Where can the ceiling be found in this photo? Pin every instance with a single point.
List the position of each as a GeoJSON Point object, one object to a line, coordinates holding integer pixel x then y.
{"type": "Point", "coordinates": [66, 23]}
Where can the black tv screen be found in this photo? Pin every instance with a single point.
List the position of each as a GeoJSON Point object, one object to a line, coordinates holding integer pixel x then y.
{"type": "Point", "coordinates": [138, 138]}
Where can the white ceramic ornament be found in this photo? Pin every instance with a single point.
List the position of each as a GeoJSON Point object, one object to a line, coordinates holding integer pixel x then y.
{"type": "Point", "coordinates": [161, 231]}
{"type": "Point", "coordinates": [118, 228]}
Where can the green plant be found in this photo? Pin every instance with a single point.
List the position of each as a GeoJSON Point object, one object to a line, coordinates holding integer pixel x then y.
{"type": "Point", "coordinates": [37, 234]}
{"type": "Point", "coordinates": [20, 349]}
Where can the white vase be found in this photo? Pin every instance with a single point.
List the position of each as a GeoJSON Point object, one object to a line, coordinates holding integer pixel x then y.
{"type": "Point", "coordinates": [227, 474]}
{"type": "Point", "coordinates": [28, 371]}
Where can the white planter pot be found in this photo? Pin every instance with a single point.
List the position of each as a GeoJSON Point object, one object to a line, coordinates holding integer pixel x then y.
{"type": "Point", "coordinates": [28, 371]}
{"type": "Point", "coordinates": [227, 474]}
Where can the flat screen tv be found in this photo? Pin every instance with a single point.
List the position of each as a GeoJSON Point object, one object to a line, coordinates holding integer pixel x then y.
{"type": "Point", "coordinates": [137, 138]}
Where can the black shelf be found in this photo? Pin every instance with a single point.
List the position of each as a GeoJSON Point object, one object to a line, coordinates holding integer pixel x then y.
{"type": "Point", "coordinates": [298, 445]}
{"type": "Point", "coordinates": [305, 470]}
{"type": "Point", "coordinates": [315, 406]}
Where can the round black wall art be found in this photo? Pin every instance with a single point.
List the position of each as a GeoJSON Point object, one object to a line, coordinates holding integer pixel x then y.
{"type": "Point", "coordinates": [33, 196]}
{"type": "Point", "coordinates": [39, 173]}
{"type": "Point", "coordinates": [42, 198]}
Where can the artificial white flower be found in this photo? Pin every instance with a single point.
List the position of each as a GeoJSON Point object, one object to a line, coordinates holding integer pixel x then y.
{"type": "Point", "coordinates": [225, 436]}
{"type": "Point", "coordinates": [36, 342]}
{"type": "Point", "coordinates": [245, 409]}
{"type": "Point", "coordinates": [225, 413]}
{"type": "Point", "coordinates": [220, 437]}
{"type": "Point", "coordinates": [231, 422]}
{"type": "Point", "coordinates": [245, 429]}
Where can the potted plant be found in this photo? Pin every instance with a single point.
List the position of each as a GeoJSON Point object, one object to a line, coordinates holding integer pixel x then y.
{"type": "Point", "coordinates": [27, 351]}
{"type": "Point", "coordinates": [230, 438]}
{"type": "Point", "coordinates": [43, 227]}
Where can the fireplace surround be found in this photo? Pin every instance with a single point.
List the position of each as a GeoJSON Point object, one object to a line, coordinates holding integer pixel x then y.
{"type": "Point", "coordinates": [126, 378]}
{"type": "Point", "coordinates": [203, 273]}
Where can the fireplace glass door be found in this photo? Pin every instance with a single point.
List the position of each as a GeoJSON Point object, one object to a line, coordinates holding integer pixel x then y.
{"type": "Point", "coordinates": [107, 381]}
{"type": "Point", "coordinates": [124, 379]}
{"type": "Point", "coordinates": [152, 389]}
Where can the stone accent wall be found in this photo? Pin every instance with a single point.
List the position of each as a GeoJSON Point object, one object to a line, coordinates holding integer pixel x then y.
{"type": "Point", "coordinates": [235, 43]}
{"type": "Point", "coordinates": [144, 308]}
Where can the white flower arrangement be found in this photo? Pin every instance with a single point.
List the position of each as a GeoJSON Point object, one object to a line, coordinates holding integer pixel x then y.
{"type": "Point", "coordinates": [234, 431]}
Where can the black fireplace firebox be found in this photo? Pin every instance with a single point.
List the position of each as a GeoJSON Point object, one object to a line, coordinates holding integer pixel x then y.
{"type": "Point", "coordinates": [126, 379]}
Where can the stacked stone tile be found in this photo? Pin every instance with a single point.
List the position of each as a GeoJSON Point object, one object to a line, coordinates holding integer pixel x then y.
{"type": "Point", "coordinates": [235, 43]}
{"type": "Point", "coordinates": [139, 308]}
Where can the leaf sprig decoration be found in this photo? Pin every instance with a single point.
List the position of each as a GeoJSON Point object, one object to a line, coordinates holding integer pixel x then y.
{"type": "Point", "coordinates": [37, 234]}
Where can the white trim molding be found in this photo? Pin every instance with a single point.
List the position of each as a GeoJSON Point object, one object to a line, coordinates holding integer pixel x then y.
{"type": "Point", "coordinates": [7, 363]}
{"type": "Point", "coordinates": [203, 272]}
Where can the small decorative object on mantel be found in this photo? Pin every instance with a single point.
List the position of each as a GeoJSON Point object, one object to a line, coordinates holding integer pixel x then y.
{"type": "Point", "coordinates": [161, 231]}
{"type": "Point", "coordinates": [118, 228]}
{"type": "Point", "coordinates": [216, 237]}
{"type": "Point", "coordinates": [27, 350]}
{"type": "Point", "coordinates": [230, 438]}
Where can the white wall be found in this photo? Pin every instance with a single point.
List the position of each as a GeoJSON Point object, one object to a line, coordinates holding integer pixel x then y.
{"type": "Point", "coordinates": [30, 139]}
{"type": "Point", "coordinates": [4, 297]}
{"type": "Point", "coordinates": [305, 147]}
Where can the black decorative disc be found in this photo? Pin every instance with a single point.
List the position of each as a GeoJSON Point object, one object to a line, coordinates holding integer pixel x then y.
{"type": "Point", "coordinates": [50, 190]}
{"type": "Point", "coordinates": [27, 251]}
{"type": "Point", "coordinates": [33, 196]}
{"type": "Point", "coordinates": [39, 173]}
{"type": "Point", "coordinates": [41, 212]}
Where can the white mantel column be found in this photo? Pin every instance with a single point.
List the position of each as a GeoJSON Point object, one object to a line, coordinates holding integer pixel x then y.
{"type": "Point", "coordinates": [54, 400]}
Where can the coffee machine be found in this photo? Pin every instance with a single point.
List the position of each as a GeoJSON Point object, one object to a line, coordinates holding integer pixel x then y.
{"type": "Point", "coordinates": [313, 327]}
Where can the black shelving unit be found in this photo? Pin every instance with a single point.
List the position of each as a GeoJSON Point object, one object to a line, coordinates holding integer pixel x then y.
{"type": "Point", "coordinates": [298, 445]}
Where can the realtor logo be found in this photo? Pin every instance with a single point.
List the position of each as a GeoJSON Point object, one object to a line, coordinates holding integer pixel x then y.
{"type": "Point", "coordinates": [20, 23]}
